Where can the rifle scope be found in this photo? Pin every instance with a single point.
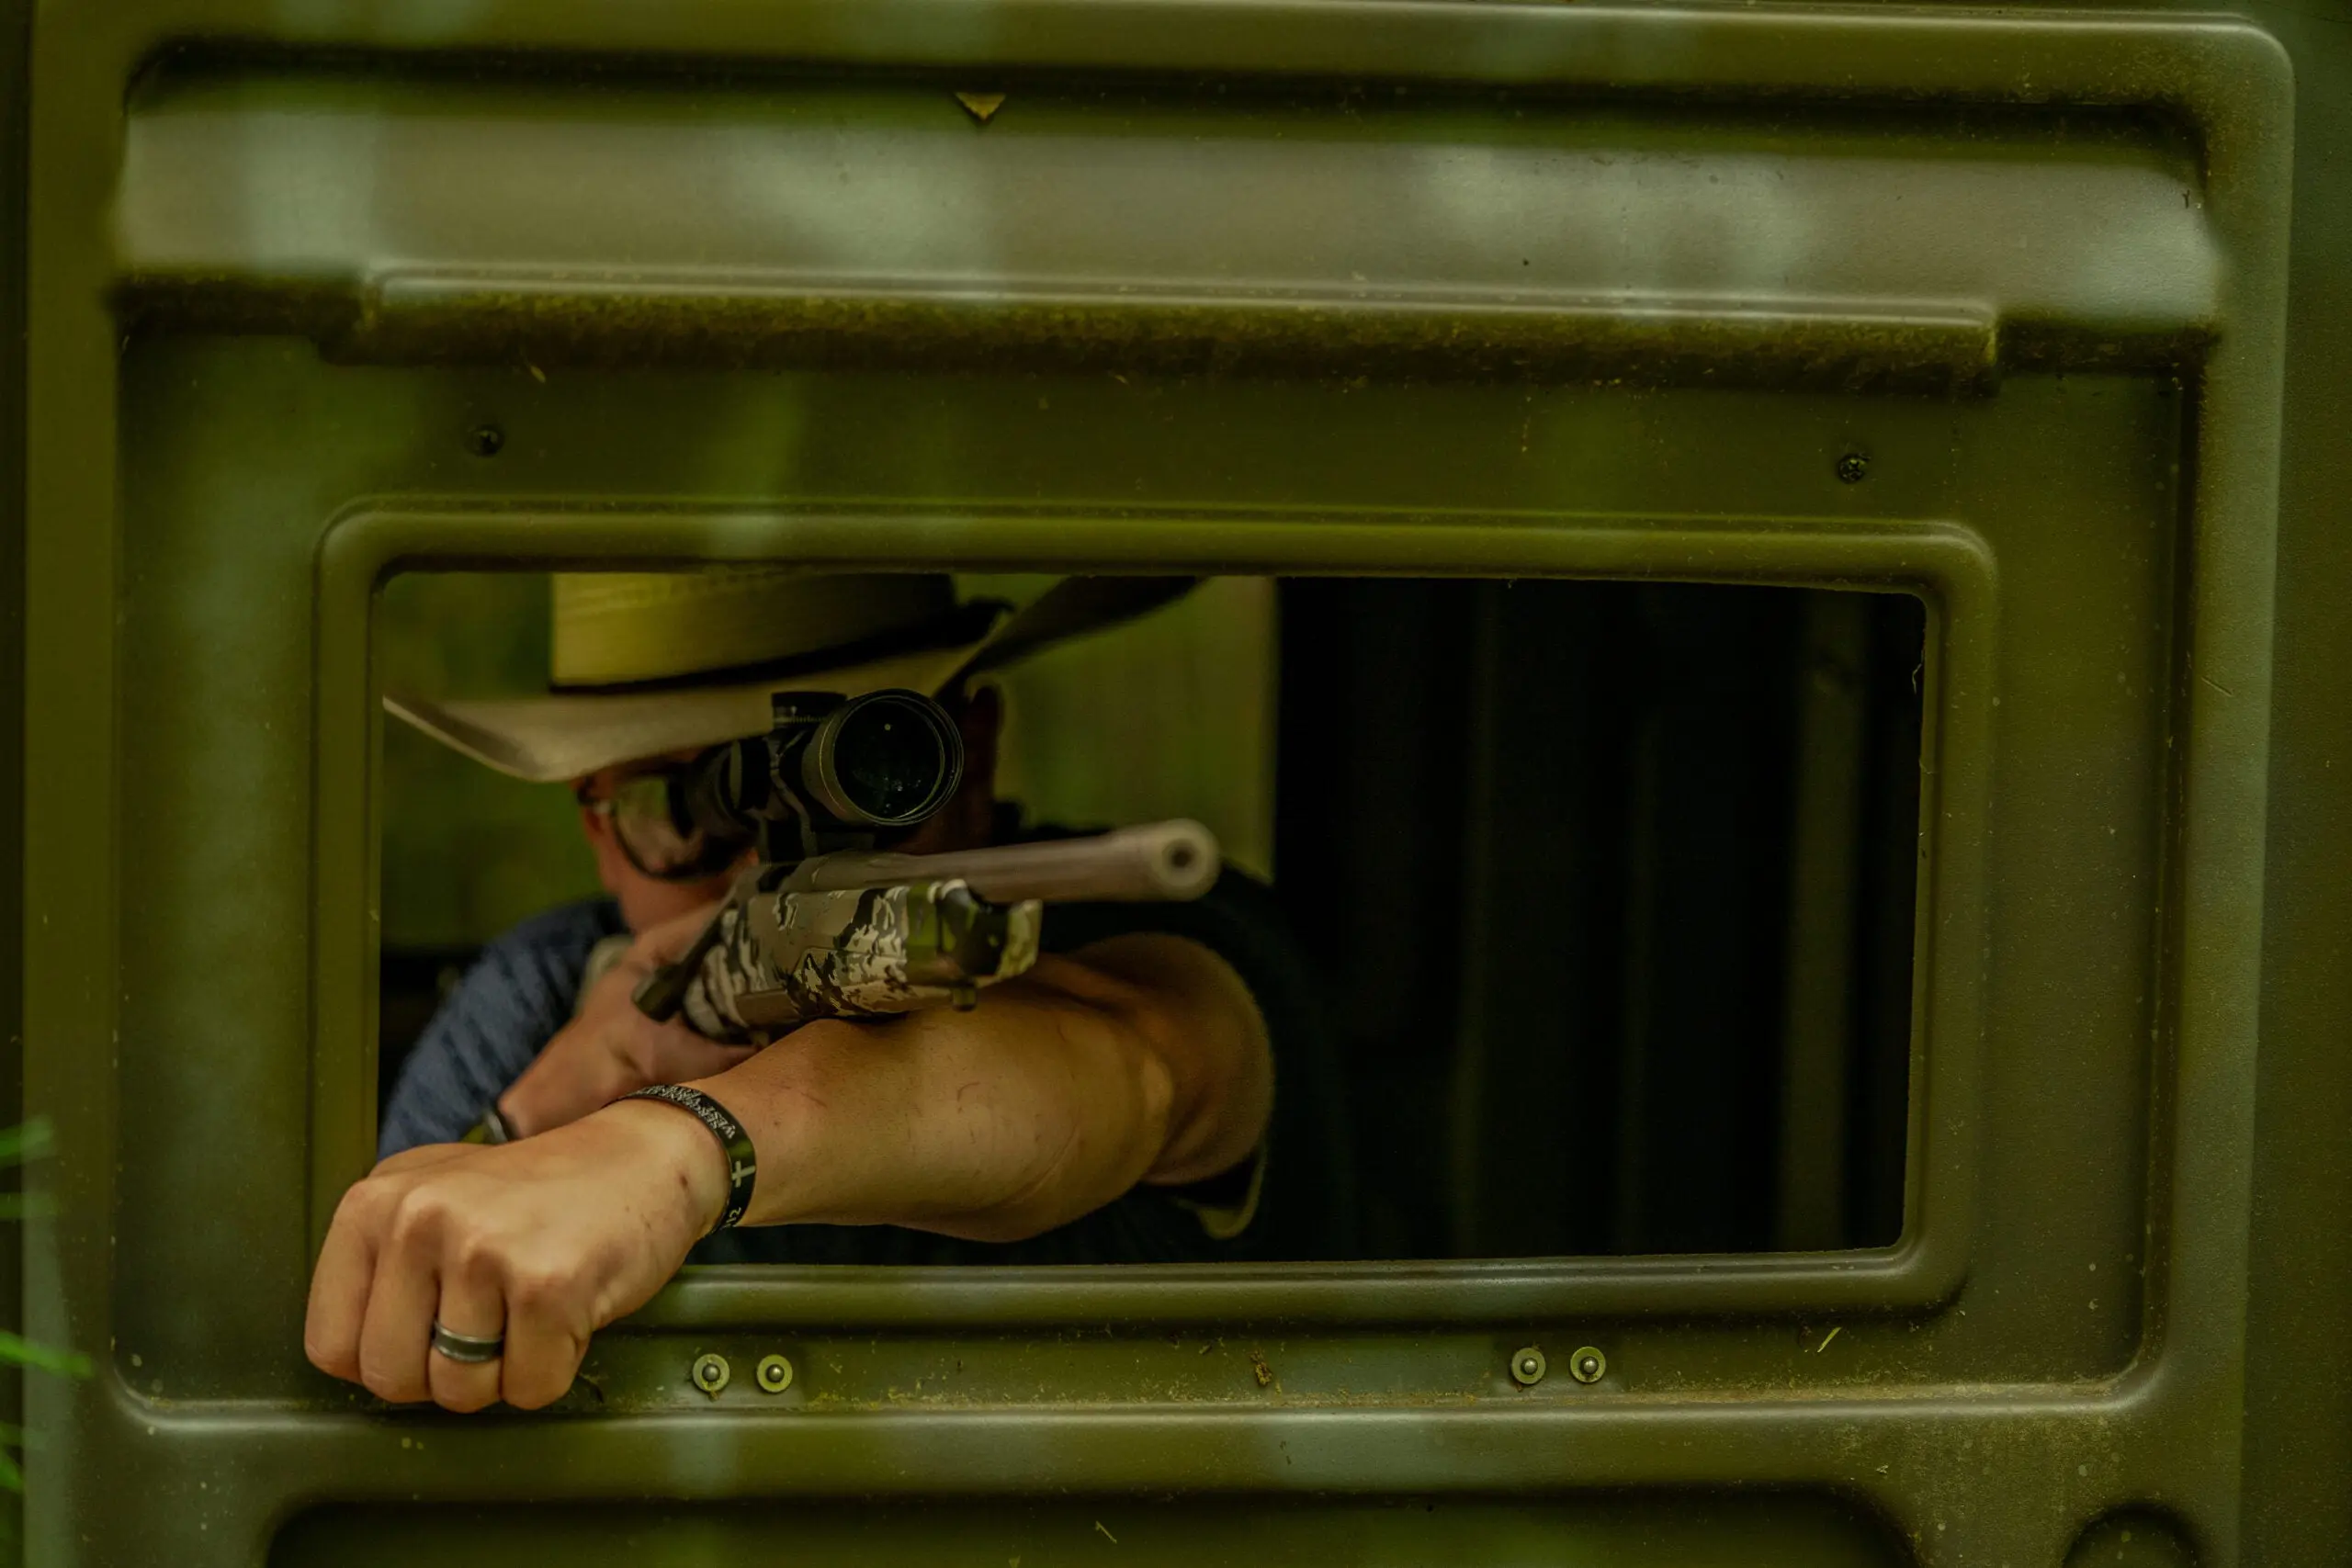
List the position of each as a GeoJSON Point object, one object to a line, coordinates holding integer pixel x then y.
{"type": "Point", "coordinates": [883, 760]}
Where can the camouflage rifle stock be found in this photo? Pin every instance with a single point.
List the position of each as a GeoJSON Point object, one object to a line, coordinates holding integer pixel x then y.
{"type": "Point", "coordinates": [862, 934]}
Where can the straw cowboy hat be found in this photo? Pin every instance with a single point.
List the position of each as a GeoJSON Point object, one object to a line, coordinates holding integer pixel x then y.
{"type": "Point", "coordinates": [646, 664]}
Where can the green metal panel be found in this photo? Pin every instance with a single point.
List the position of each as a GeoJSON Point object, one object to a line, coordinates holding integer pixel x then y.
{"type": "Point", "coordinates": [1444, 288]}
{"type": "Point", "coordinates": [1759, 1530]}
{"type": "Point", "coordinates": [2299, 1367]}
{"type": "Point", "coordinates": [15, 31]}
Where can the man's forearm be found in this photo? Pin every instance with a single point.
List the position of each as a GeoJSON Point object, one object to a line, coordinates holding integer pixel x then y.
{"type": "Point", "coordinates": [1146, 1063]}
{"type": "Point", "coordinates": [1049, 1101]}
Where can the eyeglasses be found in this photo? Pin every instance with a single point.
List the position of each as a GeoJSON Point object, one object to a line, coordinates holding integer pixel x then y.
{"type": "Point", "coordinates": [656, 827]}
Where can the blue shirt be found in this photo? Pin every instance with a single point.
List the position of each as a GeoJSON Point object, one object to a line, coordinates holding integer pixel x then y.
{"type": "Point", "coordinates": [510, 1004]}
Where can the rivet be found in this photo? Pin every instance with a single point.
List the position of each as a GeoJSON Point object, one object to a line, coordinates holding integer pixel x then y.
{"type": "Point", "coordinates": [1853, 468]}
{"type": "Point", "coordinates": [710, 1373]}
{"type": "Point", "coordinates": [1527, 1366]}
{"type": "Point", "coordinates": [1588, 1364]}
{"type": "Point", "coordinates": [485, 440]}
{"type": "Point", "coordinates": [774, 1374]}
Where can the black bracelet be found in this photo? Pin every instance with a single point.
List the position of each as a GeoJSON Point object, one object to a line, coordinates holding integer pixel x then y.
{"type": "Point", "coordinates": [742, 1163]}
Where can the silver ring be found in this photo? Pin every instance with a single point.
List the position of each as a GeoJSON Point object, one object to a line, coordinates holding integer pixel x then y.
{"type": "Point", "coordinates": [471, 1348]}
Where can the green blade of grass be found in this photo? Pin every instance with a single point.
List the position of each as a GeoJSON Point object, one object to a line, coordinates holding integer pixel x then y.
{"type": "Point", "coordinates": [25, 1353]}
{"type": "Point", "coordinates": [28, 1140]}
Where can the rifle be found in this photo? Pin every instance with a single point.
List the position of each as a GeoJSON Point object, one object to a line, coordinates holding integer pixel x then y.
{"type": "Point", "coordinates": [827, 926]}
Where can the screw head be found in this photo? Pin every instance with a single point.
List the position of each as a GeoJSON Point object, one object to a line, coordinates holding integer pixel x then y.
{"type": "Point", "coordinates": [710, 1373]}
{"type": "Point", "coordinates": [1853, 468]}
{"type": "Point", "coordinates": [774, 1374]}
{"type": "Point", "coordinates": [1527, 1366]}
{"type": "Point", "coordinates": [1588, 1364]}
{"type": "Point", "coordinates": [485, 440]}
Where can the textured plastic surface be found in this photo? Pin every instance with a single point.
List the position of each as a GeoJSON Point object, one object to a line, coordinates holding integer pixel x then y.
{"type": "Point", "coordinates": [1492, 288]}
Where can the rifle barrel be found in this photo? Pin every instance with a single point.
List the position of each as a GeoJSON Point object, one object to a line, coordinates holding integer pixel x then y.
{"type": "Point", "coordinates": [1162, 861]}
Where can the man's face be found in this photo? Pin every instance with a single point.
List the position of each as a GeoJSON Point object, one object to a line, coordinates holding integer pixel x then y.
{"type": "Point", "coordinates": [646, 900]}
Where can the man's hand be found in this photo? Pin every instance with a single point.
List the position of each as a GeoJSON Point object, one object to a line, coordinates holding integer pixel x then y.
{"type": "Point", "coordinates": [545, 1241]}
{"type": "Point", "coordinates": [612, 1049]}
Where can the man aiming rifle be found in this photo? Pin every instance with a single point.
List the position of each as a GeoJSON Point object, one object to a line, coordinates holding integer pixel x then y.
{"type": "Point", "coordinates": [562, 1140]}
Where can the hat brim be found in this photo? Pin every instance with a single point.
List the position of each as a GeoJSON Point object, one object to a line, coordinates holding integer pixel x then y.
{"type": "Point", "coordinates": [566, 736]}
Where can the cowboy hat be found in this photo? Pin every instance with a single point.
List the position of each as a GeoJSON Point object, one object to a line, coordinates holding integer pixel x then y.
{"type": "Point", "coordinates": [648, 663]}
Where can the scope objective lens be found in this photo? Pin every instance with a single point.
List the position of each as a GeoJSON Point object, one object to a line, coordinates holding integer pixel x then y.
{"type": "Point", "coordinates": [885, 760]}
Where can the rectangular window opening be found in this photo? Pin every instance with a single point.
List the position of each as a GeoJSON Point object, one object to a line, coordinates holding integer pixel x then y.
{"type": "Point", "coordinates": [1601, 892]}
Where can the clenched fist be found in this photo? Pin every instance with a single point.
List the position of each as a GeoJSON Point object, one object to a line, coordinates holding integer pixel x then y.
{"type": "Point", "coordinates": [543, 1241]}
